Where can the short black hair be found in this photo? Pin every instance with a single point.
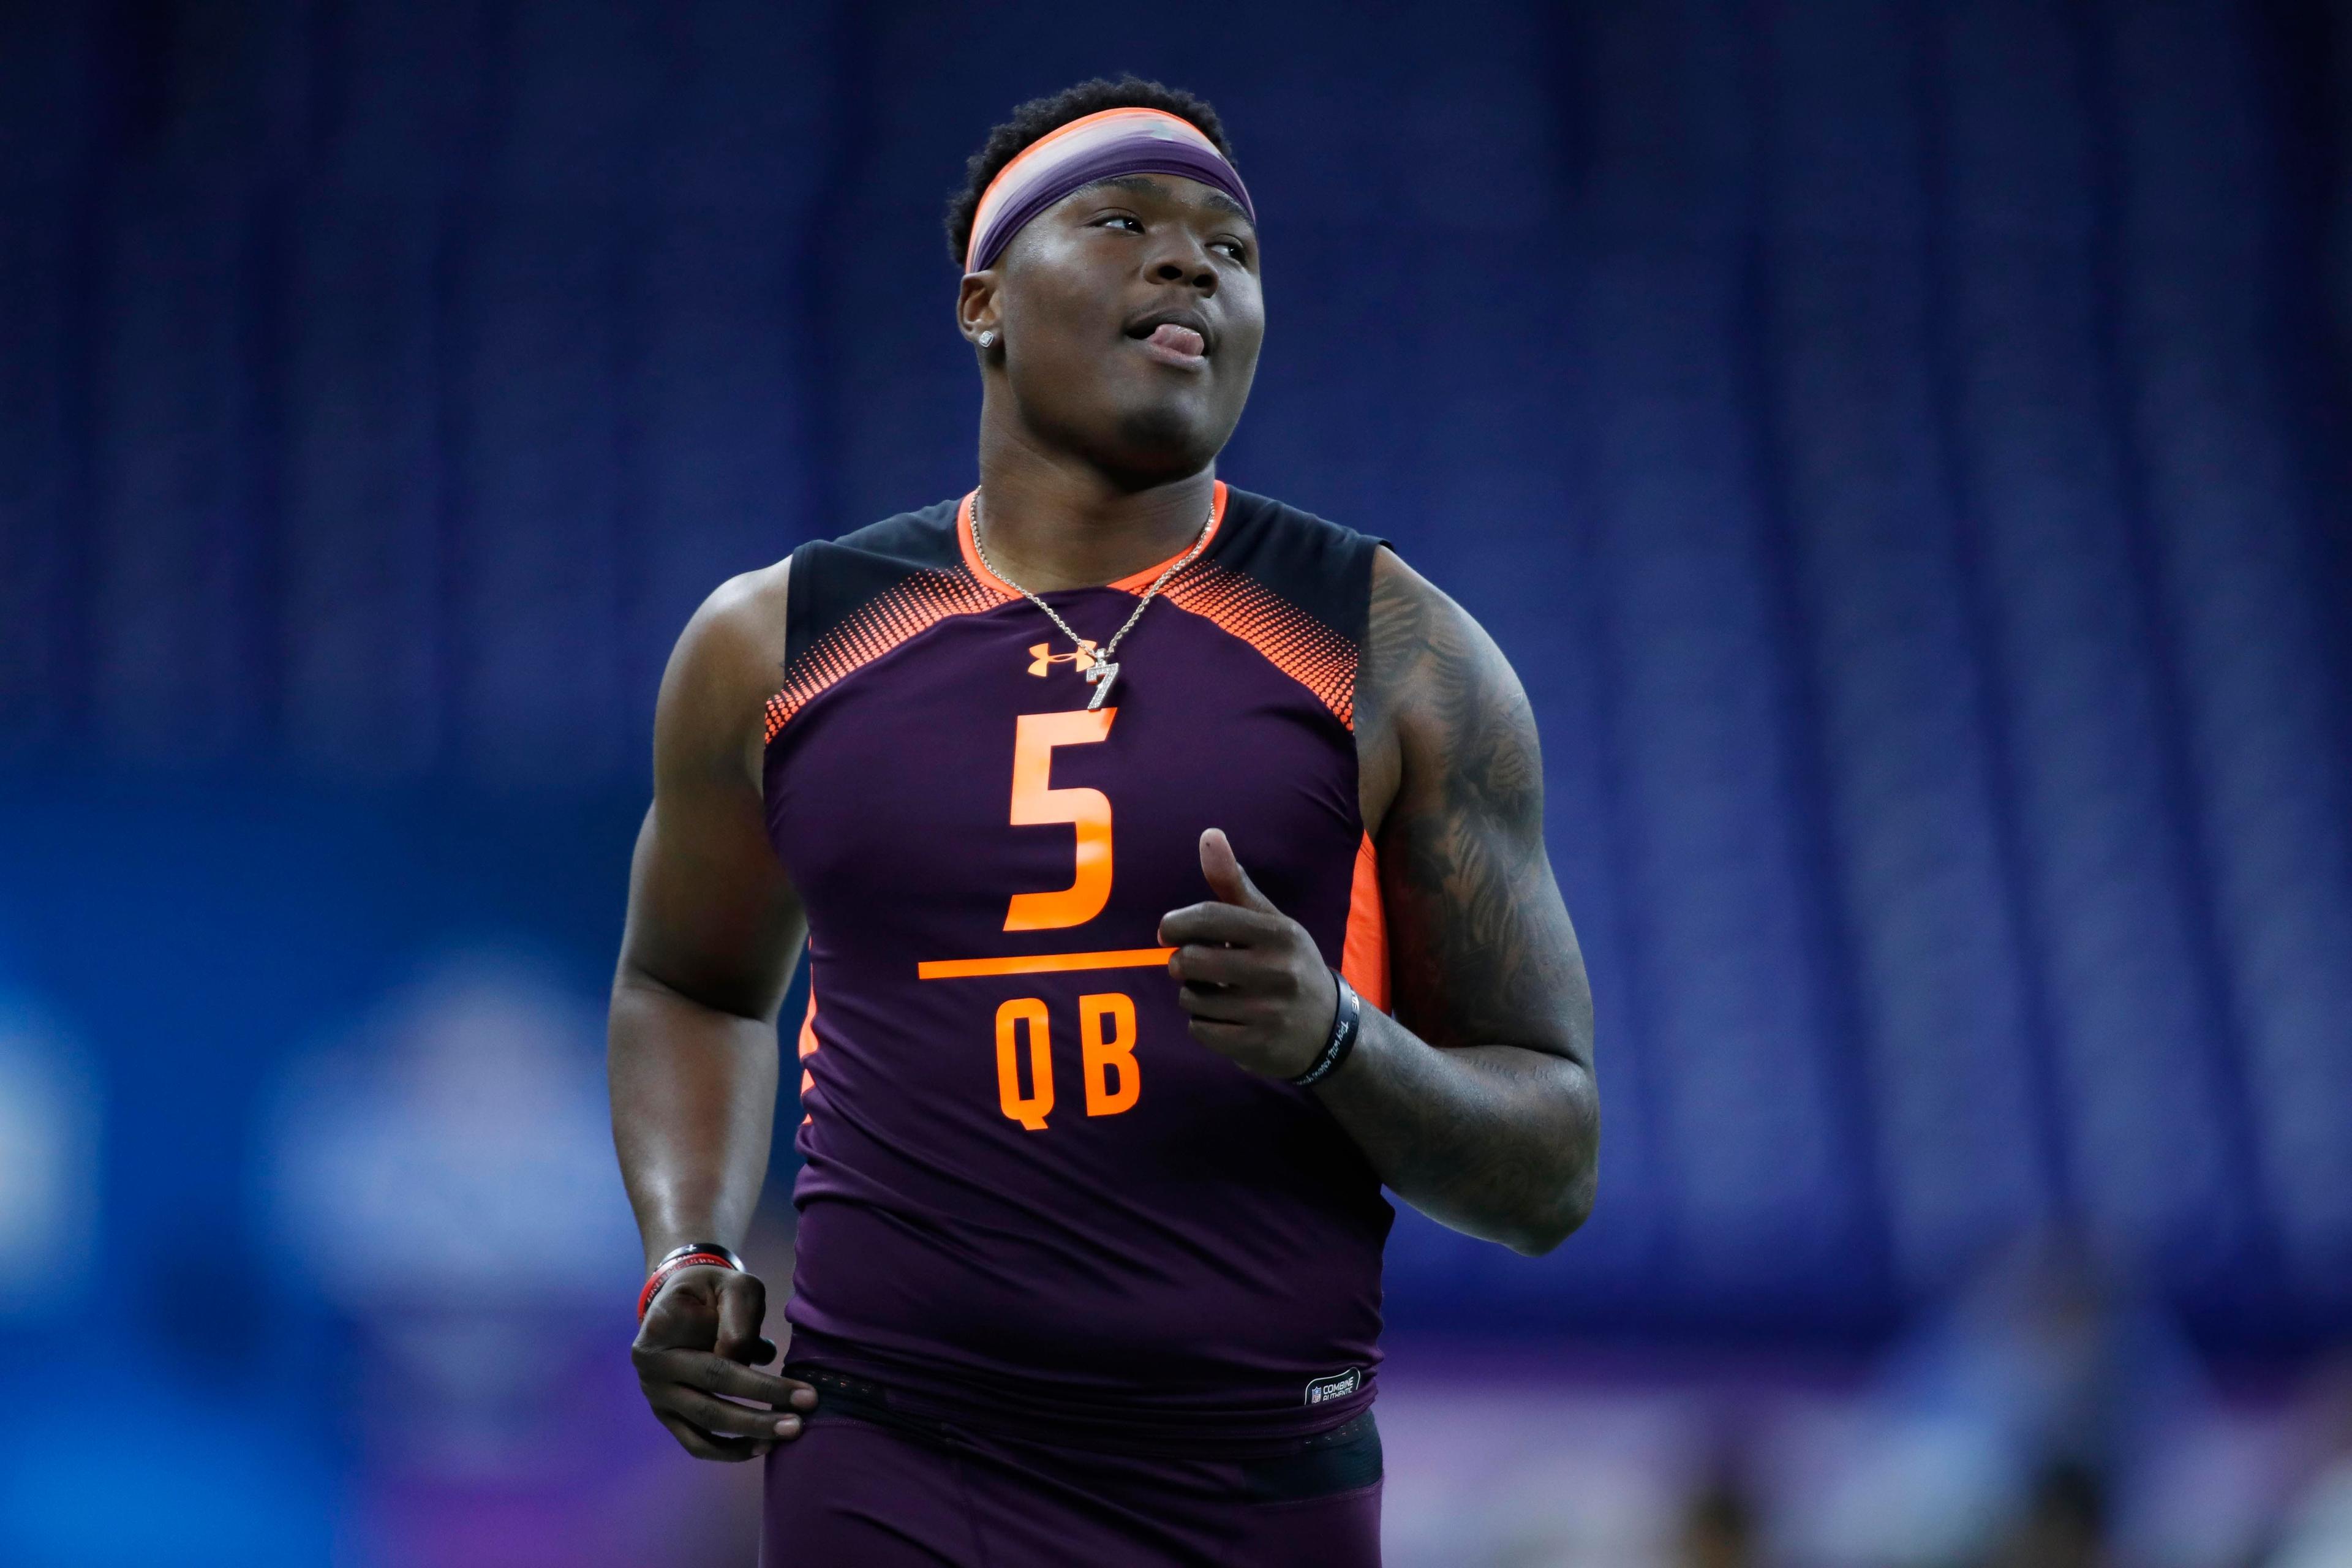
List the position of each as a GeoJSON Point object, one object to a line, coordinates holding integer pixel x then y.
{"type": "Point", "coordinates": [1040, 115]}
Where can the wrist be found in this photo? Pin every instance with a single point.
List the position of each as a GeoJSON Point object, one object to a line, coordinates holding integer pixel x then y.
{"type": "Point", "coordinates": [1339, 1042]}
{"type": "Point", "coordinates": [676, 1241]}
{"type": "Point", "coordinates": [689, 1255]}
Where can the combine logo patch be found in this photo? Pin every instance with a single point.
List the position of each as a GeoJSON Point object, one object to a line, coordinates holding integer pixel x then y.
{"type": "Point", "coordinates": [1042, 658]}
{"type": "Point", "coordinates": [1338, 1385]}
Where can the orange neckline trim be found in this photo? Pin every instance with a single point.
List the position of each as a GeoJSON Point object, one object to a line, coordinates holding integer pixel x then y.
{"type": "Point", "coordinates": [1134, 582]}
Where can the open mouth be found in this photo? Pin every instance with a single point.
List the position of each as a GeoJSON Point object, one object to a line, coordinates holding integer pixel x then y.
{"type": "Point", "coordinates": [1174, 338]}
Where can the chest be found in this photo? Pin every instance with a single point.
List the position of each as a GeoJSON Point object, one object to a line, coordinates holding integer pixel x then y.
{"type": "Point", "coordinates": [956, 798]}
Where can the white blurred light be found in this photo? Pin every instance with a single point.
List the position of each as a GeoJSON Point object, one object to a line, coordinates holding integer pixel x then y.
{"type": "Point", "coordinates": [2318, 1532]}
{"type": "Point", "coordinates": [447, 1174]}
{"type": "Point", "coordinates": [48, 1159]}
{"type": "Point", "coordinates": [458, 1151]}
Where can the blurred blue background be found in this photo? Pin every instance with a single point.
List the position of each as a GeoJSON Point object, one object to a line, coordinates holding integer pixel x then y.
{"type": "Point", "coordinates": [1902, 445]}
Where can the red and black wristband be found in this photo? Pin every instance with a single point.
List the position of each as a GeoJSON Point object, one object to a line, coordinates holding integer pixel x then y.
{"type": "Point", "coordinates": [693, 1255]}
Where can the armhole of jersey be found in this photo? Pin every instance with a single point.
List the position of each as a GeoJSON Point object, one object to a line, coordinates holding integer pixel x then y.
{"type": "Point", "coordinates": [1367, 556]}
{"type": "Point", "coordinates": [800, 583]}
{"type": "Point", "coordinates": [1364, 958]}
{"type": "Point", "coordinates": [777, 708]}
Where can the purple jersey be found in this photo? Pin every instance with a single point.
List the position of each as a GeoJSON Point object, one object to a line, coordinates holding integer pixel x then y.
{"type": "Point", "coordinates": [1029, 1194]}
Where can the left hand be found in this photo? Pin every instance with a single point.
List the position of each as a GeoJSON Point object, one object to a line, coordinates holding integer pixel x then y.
{"type": "Point", "coordinates": [697, 1355]}
{"type": "Point", "coordinates": [1257, 992]}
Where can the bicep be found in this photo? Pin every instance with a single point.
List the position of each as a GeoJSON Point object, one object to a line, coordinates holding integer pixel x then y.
{"type": "Point", "coordinates": [1482, 950]}
{"type": "Point", "coordinates": [712, 915]}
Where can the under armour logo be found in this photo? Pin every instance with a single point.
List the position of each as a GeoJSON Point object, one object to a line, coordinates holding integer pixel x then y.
{"type": "Point", "coordinates": [1040, 658]}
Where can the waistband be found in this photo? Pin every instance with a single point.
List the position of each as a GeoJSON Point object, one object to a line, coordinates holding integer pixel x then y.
{"type": "Point", "coordinates": [912, 1399]}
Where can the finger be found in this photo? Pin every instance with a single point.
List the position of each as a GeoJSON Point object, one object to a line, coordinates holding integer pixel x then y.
{"type": "Point", "coordinates": [1221, 1006]}
{"type": "Point", "coordinates": [1247, 968]}
{"type": "Point", "coordinates": [1219, 1035]}
{"type": "Point", "coordinates": [703, 1445]}
{"type": "Point", "coordinates": [723, 1375]}
{"type": "Point", "coordinates": [1227, 924]}
{"type": "Point", "coordinates": [719, 1374]}
{"type": "Point", "coordinates": [743, 1303]}
{"type": "Point", "coordinates": [723, 1418]}
{"type": "Point", "coordinates": [1226, 879]}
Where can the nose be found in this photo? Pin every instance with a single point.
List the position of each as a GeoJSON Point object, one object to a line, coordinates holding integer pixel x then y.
{"type": "Point", "coordinates": [1179, 259]}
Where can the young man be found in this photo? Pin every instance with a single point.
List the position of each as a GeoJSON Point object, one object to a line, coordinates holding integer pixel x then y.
{"type": "Point", "coordinates": [1172, 873]}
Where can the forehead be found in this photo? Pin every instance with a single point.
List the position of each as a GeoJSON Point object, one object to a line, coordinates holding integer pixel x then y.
{"type": "Point", "coordinates": [1167, 190]}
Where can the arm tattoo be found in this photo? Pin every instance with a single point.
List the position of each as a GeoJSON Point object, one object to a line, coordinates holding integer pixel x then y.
{"type": "Point", "coordinates": [1495, 1129]}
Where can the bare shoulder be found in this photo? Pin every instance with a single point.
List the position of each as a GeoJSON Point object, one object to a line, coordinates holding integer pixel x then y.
{"type": "Point", "coordinates": [1481, 948]}
{"type": "Point", "coordinates": [742, 624]}
{"type": "Point", "coordinates": [728, 661]}
{"type": "Point", "coordinates": [1438, 706]}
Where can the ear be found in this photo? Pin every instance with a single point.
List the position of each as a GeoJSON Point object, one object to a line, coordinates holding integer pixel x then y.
{"type": "Point", "coordinates": [976, 306]}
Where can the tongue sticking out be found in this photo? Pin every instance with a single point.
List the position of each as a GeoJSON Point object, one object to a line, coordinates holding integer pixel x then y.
{"type": "Point", "coordinates": [1178, 340]}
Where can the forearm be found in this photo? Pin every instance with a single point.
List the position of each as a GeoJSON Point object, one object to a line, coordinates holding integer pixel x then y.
{"type": "Point", "coordinates": [1498, 1141]}
{"type": "Point", "coordinates": [694, 1097]}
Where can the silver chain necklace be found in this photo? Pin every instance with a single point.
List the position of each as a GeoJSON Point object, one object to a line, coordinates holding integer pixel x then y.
{"type": "Point", "coordinates": [1100, 672]}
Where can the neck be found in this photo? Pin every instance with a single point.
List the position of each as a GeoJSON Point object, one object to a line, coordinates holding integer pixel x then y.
{"type": "Point", "coordinates": [1051, 520]}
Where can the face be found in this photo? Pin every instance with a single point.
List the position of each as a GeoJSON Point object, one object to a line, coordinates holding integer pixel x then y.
{"type": "Point", "coordinates": [1128, 319]}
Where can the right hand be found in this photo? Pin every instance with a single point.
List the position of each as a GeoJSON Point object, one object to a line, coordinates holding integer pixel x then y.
{"type": "Point", "coordinates": [695, 1353]}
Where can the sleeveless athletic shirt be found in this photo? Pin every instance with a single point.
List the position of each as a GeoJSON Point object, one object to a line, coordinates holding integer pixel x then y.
{"type": "Point", "coordinates": [1029, 1200]}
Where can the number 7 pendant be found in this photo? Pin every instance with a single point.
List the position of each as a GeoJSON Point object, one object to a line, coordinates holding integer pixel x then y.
{"type": "Point", "coordinates": [1101, 675]}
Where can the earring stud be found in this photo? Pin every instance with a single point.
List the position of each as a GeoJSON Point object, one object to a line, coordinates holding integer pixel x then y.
{"type": "Point", "coordinates": [988, 338]}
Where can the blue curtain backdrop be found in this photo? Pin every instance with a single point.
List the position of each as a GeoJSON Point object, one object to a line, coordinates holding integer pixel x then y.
{"type": "Point", "coordinates": [1903, 447]}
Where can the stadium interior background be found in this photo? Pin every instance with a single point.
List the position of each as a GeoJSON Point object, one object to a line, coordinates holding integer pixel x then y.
{"type": "Point", "coordinates": [1902, 447]}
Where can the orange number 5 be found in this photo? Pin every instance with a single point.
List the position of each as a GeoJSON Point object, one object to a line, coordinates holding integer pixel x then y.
{"type": "Point", "coordinates": [1035, 802]}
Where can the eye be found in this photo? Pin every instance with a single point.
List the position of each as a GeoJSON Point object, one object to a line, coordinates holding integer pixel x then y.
{"type": "Point", "coordinates": [1113, 220]}
{"type": "Point", "coordinates": [1232, 248]}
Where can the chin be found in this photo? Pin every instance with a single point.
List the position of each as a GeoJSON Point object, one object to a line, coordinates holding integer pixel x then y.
{"type": "Point", "coordinates": [1166, 440]}
{"type": "Point", "coordinates": [1144, 431]}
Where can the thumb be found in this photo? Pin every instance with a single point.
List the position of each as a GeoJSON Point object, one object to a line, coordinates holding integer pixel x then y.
{"type": "Point", "coordinates": [743, 1302]}
{"type": "Point", "coordinates": [1226, 879]}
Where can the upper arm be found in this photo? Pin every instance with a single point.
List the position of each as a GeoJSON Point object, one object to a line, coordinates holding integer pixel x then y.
{"type": "Point", "coordinates": [1481, 948]}
{"type": "Point", "coordinates": [712, 912]}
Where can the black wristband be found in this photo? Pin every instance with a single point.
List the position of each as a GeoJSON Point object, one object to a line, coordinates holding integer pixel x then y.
{"type": "Point", "coordinates": [694, 1247]}
{"type": "Point", "coordinates": [1346, 1021]}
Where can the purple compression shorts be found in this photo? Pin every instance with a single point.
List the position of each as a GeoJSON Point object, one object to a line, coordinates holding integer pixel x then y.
{"type": "Point", "coordinates": [866, 1486]}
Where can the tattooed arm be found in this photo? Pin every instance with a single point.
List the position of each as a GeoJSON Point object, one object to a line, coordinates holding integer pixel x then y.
{"type": "Point", "coordinates": [1475, 1102]}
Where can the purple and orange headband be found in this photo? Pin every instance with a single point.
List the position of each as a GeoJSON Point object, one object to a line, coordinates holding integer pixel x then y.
{"type": "Point", "coordinates": [1099, 146]}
